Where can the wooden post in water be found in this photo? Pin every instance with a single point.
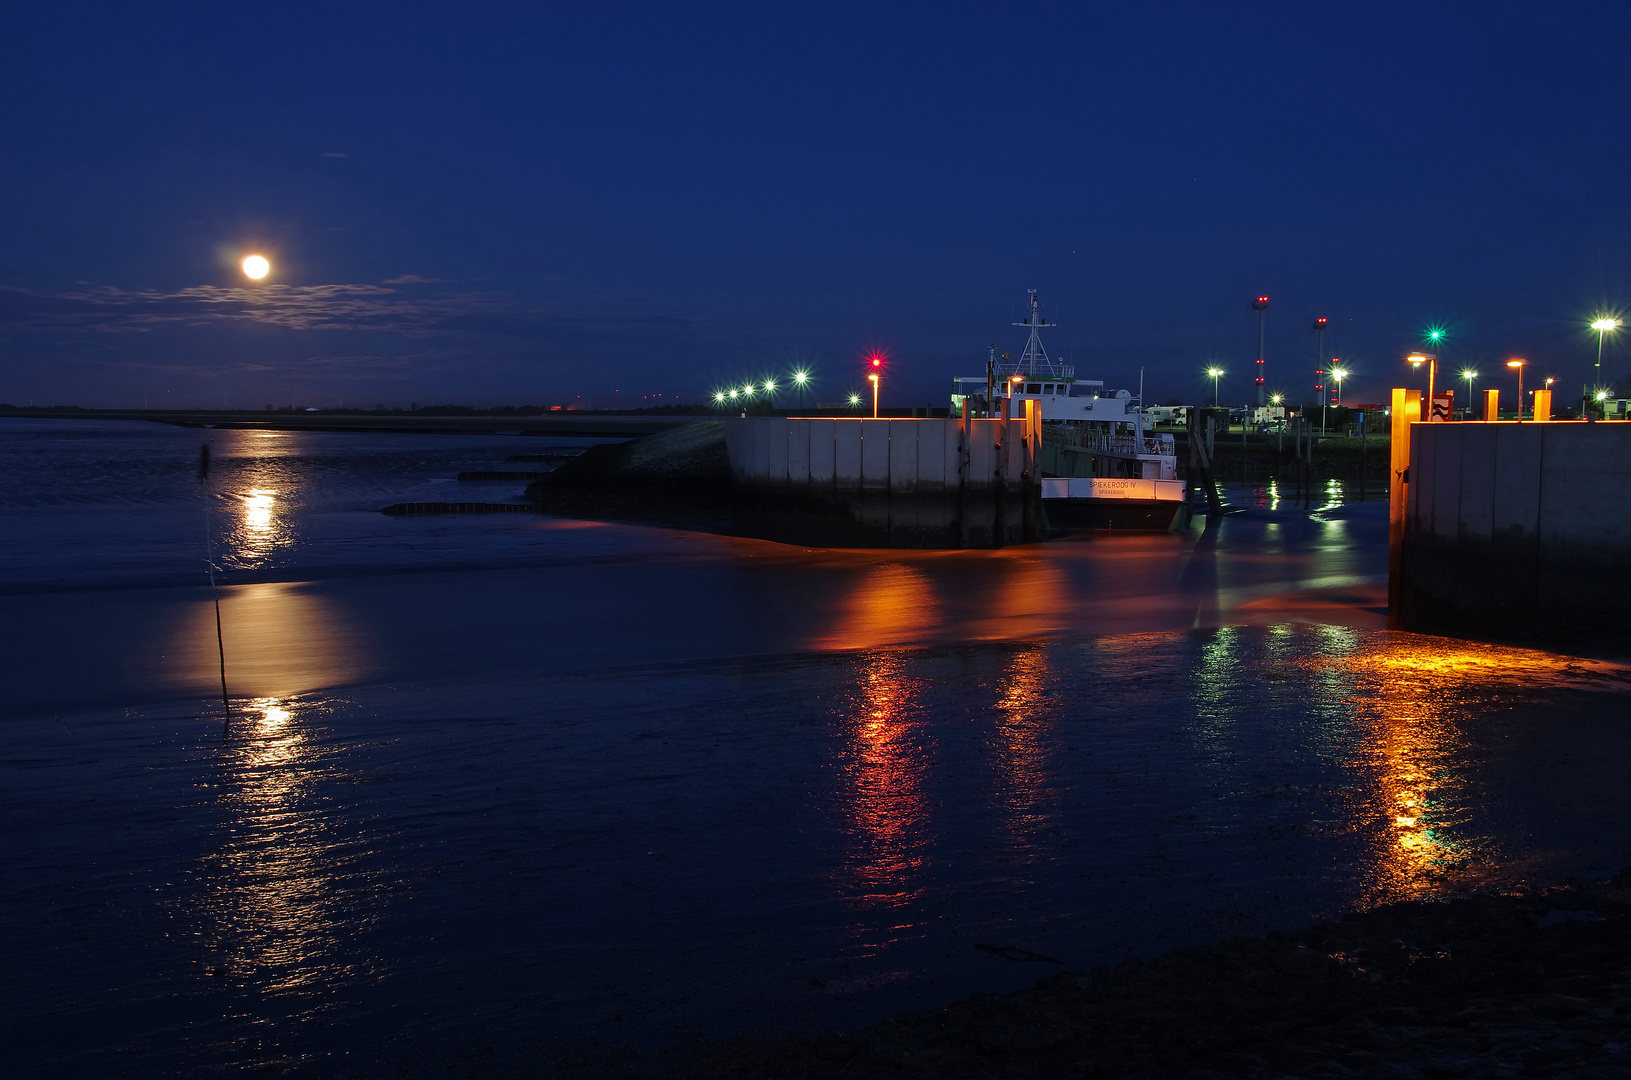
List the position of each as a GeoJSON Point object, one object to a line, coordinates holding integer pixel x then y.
{"type": "Point", "coordinates": [962, 476]}
{"type": "Point", "coordinates": [1200, 461]}
{"type": "Point", "coordinates": [1031, 477]}
{"type": "Point", "coordinates": [1243, 421]}
{"type": "Point", "coordinates": [1000, 493]}
{"type": "Point", "coordinates": [1406, 411]}
{"type": "Point", "coordinates": [1364, 431]}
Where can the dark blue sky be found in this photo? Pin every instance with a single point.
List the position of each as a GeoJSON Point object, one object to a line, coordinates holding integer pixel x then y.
{"type": "Point", "coordinates": [532, 203]}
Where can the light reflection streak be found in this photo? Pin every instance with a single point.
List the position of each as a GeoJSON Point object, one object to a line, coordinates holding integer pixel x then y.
{"type": "Point", "coordinates": [274, 909]}
{"type": "Point", "coordinates": [280, 639]}
{"type": "Point", "coordinates": [1416, 695]}
{"type": "Point", "coordinates": [885, 762]}
{"type": "Point", "coordinates": [1024, 788]}
{"type": "Point", "coordinates": [890, 604]}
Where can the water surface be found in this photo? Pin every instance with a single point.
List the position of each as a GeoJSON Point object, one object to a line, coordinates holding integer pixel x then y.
{"type": "Point", "coordinates": [501, 792]}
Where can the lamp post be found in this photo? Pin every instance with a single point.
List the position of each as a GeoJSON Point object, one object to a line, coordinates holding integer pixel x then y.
{"type": "Point", "coordinates": [770, 392]}
{"type": "Point", "coordinates": [1213, 373]}
{"type": "Point", "coordinates": [1603, 326]}
{"type": "Point", "coordinates": [1339, 374]}
{"type": "Point", "coordinates": [873, 379]}
{"type": "Point", "coordinates": [1417, 359]}
{"type": "Point", "coordinates": [854, 401]}
{"type": "Point", "coordinates": [1517, 363]}
{"type": "Point", "coordinates": [1260, 305]}
{"type": "Point", "coordinates": [1319, 357]}
{"type": "Point", "coordinates": [1467, 376]}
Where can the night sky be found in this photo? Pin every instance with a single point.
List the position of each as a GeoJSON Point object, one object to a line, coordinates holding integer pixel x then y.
{"type": "Point", "coordinates": [593, 204]}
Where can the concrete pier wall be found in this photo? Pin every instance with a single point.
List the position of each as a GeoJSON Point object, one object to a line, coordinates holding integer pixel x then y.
{"type": "Point", "coordinates": [1518, 531]}
{"type": "Point", "coordinates": [898, 483]}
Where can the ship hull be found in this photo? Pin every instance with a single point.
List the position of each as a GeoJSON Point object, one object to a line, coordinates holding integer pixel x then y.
{"type": "Point", "coordinates": [1116, 515]}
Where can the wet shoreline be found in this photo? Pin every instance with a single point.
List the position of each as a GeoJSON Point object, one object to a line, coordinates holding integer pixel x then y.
{"type": "Point", "coordinates": [1537, 983]}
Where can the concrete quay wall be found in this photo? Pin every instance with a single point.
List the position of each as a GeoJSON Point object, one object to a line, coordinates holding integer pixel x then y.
{"type": "Point", "coordinates": [1520, 531]}
{"type": "Point", "coordinates": [897, 482]}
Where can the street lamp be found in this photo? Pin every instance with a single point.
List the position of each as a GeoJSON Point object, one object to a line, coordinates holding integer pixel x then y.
{"type": "Point", "coordinates": [1603, 326]}
{"type": "Point", "coordinates": [1213, 373]}
{"type": "Point", "coordinates": [1517, 363]}
{"type": "Point", "coordinates": [1467, 376]}
{"type": "Point", "coordinates": [1417, 359]}
{"type": "Point", "coordinates": [854, 400]}
{"type": "Point", "coordinates": [1339, 374]}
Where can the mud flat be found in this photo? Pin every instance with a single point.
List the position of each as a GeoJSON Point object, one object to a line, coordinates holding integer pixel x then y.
{"type": "Point", "coordinates": [1536, 984]}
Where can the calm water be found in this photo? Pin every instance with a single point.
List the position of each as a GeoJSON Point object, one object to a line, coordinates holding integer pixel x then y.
{"type": "Point", "coordinates": [501, 792]}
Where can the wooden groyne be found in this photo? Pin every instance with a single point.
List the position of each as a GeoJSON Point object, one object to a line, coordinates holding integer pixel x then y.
{"type": "Point", "coordinates": [410, 509]}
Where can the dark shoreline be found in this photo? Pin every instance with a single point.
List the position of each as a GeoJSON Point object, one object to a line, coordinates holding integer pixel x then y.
{"type": "Point", "coordinates": [1533, 984]}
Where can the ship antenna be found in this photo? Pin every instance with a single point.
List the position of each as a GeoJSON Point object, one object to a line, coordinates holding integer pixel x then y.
{"type": "Point", "coordinates": [1034, 352]}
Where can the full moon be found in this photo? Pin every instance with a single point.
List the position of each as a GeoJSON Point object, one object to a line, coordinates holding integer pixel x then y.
{"type": "Point", "coordinates": [257, 267]}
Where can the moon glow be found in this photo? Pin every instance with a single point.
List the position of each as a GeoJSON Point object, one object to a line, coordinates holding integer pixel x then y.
{"type": "Point", "coordinates": [256, 267]}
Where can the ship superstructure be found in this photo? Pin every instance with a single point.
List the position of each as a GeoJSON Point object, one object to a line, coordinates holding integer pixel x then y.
{"type": "Point", "coordinates": [1097, 445]}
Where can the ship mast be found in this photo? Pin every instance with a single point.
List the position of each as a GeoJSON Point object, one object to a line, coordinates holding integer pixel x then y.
{"type": "Point", "coordinates": [1034, 360]}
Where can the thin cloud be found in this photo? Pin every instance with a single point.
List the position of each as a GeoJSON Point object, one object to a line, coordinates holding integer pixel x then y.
{"type": "Point", "coordinates": [358, 307]}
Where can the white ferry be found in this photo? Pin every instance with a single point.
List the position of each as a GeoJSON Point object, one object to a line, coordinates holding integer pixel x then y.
{"type": "Point", "coordinates": [1102, 464]}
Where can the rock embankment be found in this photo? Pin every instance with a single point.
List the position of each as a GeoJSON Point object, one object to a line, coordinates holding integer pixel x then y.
{"type": "Point", "coordinates": [1489, 986]}
{"type": "Point", "coordinates": [680, 476]}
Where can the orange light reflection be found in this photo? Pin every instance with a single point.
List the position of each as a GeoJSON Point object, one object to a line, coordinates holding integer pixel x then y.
{"type": "Point", "coordinates": [1024, 792]}
{"type": "Point", "coordinates": [885, 763]}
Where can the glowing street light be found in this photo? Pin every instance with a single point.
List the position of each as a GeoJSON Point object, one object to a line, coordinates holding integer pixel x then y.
{"type": "Point", "coordinates": [1416, 360]}
{"type": "Point", "coordinates": [1339, 374]}
{"type": "Point", "coordinates": [1213, 373]}
{"type": "Point", "coordinates": [1467, 376]}
{"type": "Point", "coordinates": [1605, 325]}
{"type": "Point", "coordinates": [1518, 363]}
{"type": "Point", "coordinates": [800, 378]}
{"type": "Point", "coordinates": [875, 377]}
{"type": "Point", "coordinates": [854, 399]}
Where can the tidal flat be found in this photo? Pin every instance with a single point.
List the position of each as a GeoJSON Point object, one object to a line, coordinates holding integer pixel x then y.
{"type": "Point", "coordinates": [514, 793]}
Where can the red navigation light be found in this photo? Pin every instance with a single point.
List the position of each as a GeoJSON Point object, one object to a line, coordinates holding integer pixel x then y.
{"type": "Point", "coordinates": [1320, 321]}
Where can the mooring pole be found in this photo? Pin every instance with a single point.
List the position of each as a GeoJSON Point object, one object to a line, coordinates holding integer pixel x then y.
{"type": "Point", "coordinates": [1406, 411]}
{"type": "Point", "coordinates": [962, 476]}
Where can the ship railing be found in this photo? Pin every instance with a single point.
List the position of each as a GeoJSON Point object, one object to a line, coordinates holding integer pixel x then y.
{"type": "Point", "coordinates": [1116, 444]}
